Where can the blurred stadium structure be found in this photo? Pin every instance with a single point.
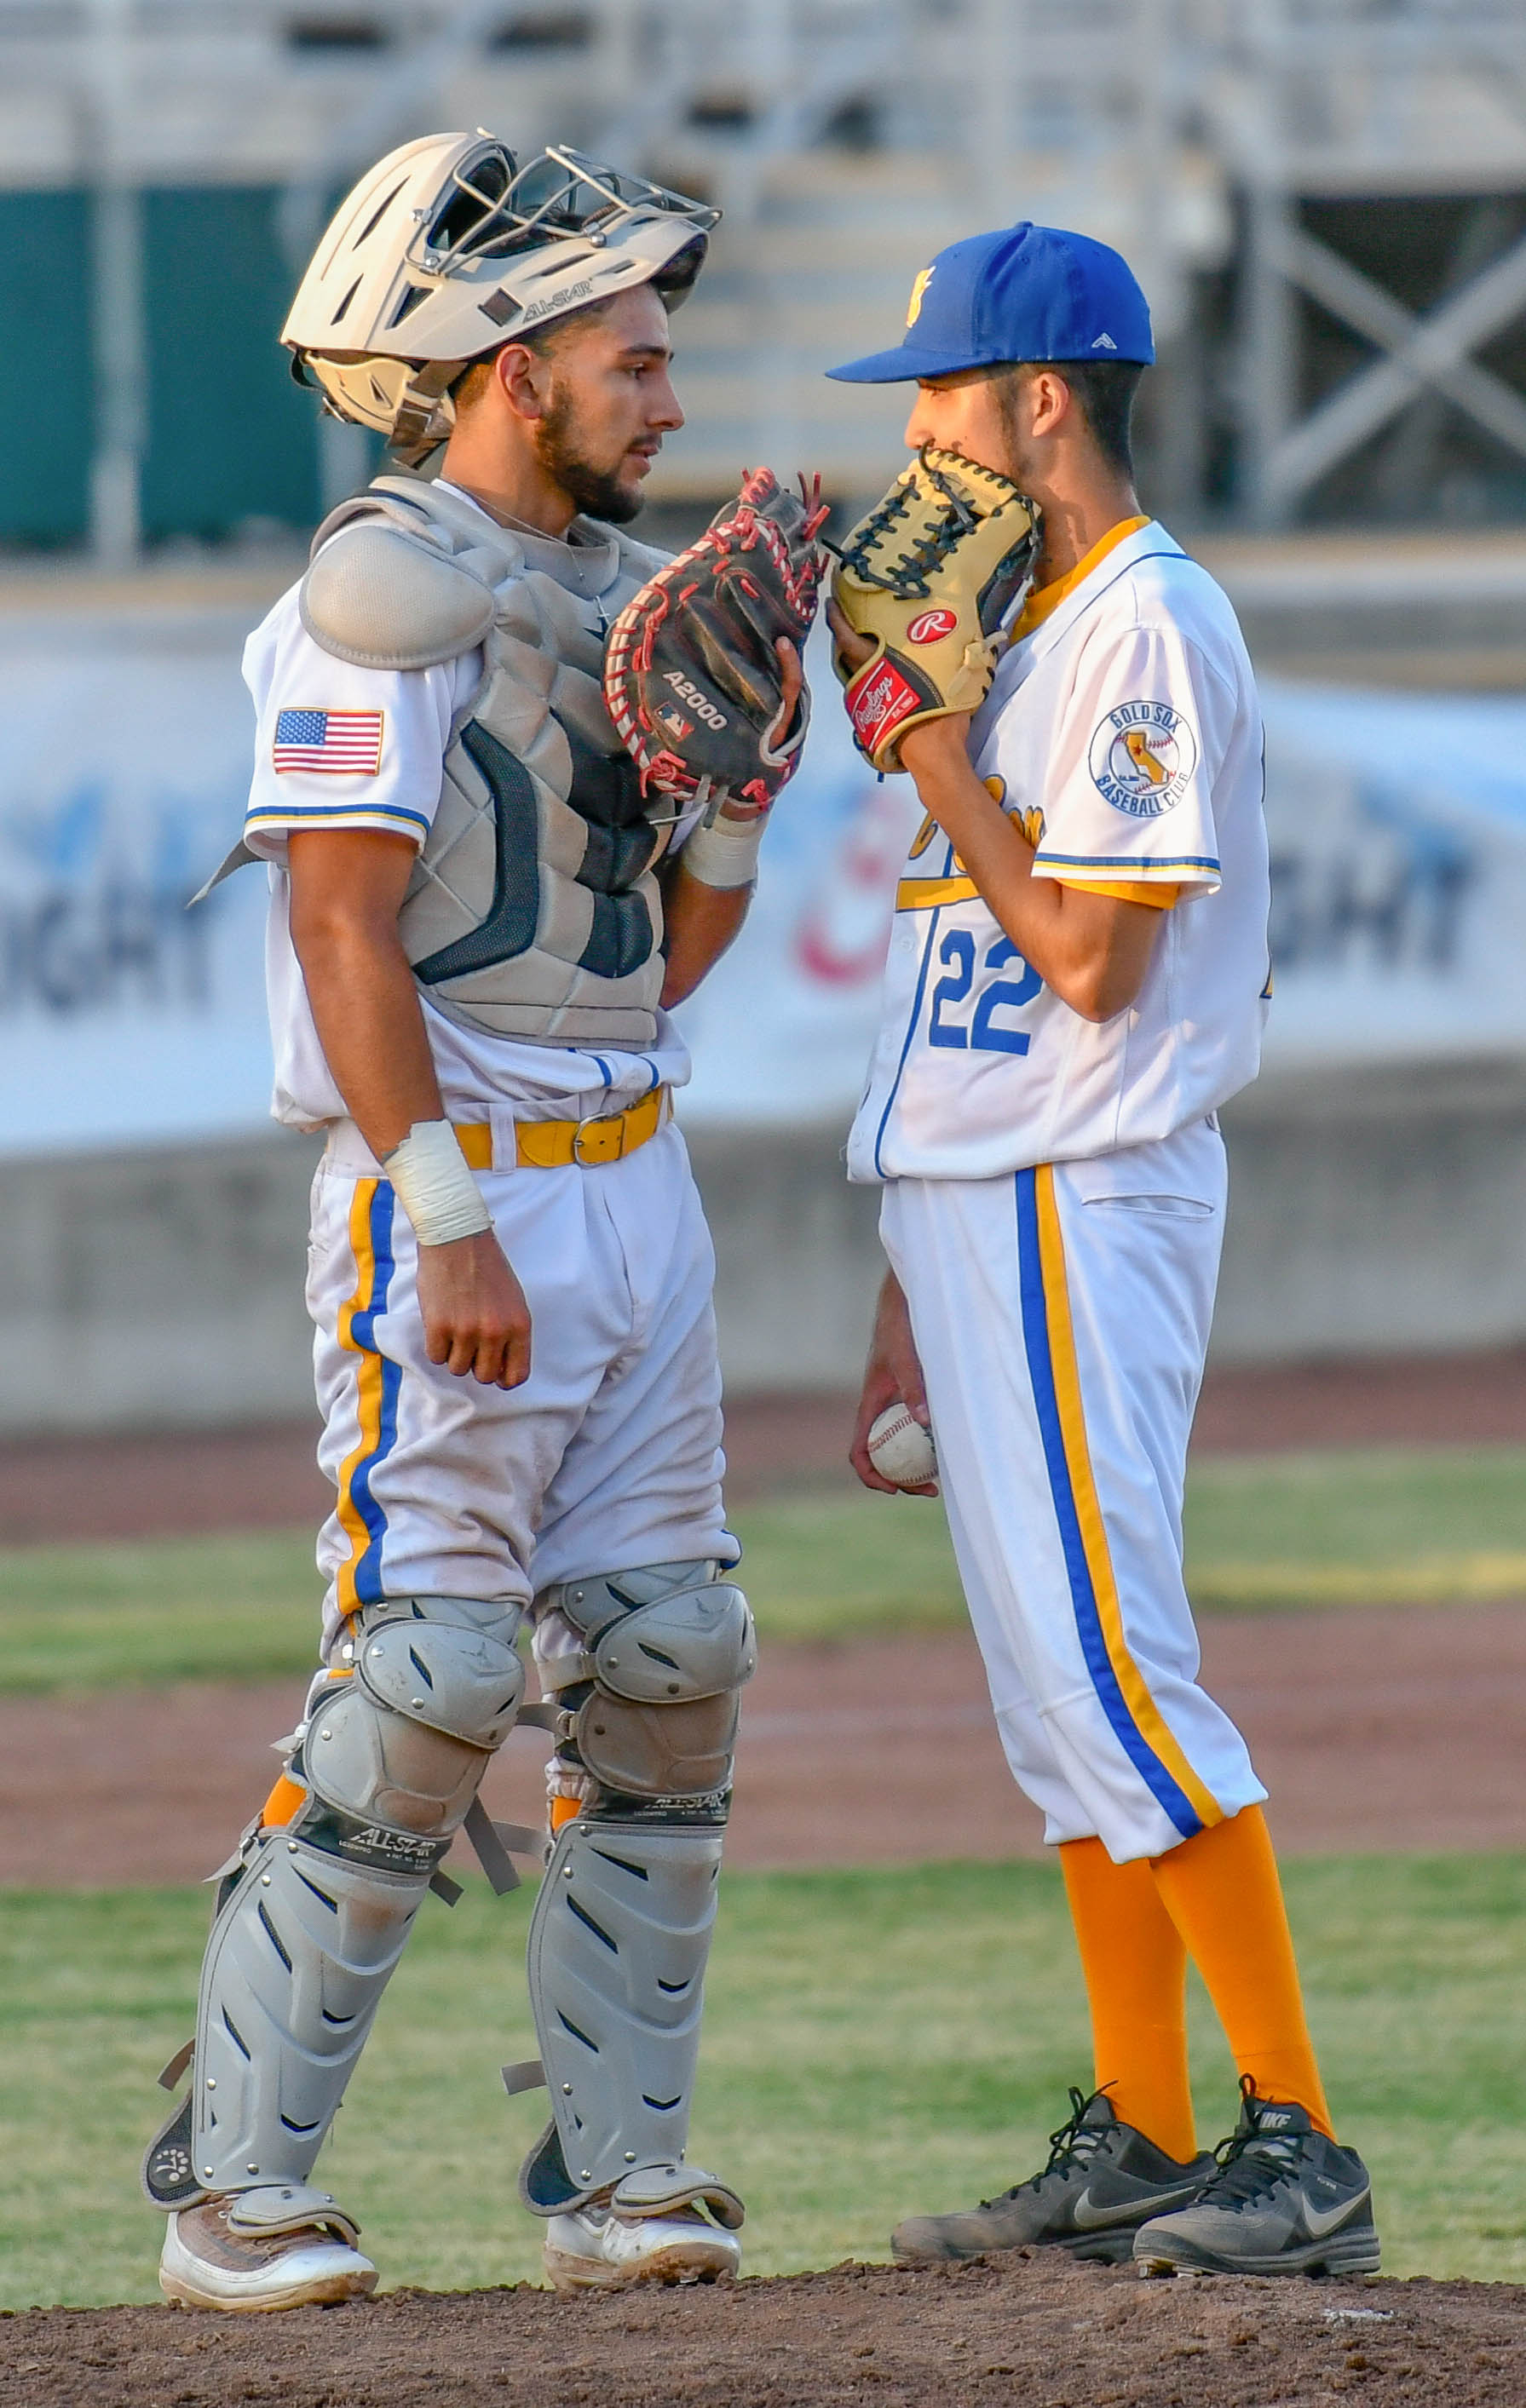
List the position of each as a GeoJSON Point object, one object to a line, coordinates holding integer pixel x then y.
{"type": "Point", "coordinates": [1325, 198]}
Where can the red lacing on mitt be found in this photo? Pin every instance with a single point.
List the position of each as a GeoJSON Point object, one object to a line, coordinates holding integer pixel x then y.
{"type": "Point", "coordinates": [691, 677]}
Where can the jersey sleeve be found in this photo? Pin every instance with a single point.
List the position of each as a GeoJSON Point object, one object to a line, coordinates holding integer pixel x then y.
{"type": "Point", "coordinates": [340, 746]}
{"type": "Point", "coordinates": [1155, 894]}
{"type": "Point", "coordinates": [1127, 800]}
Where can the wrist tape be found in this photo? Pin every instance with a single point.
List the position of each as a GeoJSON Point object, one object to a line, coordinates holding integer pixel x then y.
{"type": "Point", "coordinates": [434, 1185]}
{"type": "Point", "coordinates": [725, 852]}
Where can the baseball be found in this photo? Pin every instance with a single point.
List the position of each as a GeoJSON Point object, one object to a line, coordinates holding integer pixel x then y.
{"type": "Point", "coordinates": [900, 1449]}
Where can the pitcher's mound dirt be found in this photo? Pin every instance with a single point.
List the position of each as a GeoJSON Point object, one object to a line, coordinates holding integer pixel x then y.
{"type": "Point", "coordinates": [1028, 2332]}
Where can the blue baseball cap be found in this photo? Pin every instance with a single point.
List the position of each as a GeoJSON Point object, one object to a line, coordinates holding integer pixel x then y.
{"type": "Point", "coordinates": [1025, 292]}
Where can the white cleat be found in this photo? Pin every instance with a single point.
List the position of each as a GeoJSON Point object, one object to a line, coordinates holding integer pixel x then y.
{"type": "Point", "coordinates": [208, 2263]}
{"type": "Point", "coordinates": [595, 2249]}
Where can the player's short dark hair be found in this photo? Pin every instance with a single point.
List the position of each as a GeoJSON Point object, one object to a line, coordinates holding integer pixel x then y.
{"type": "Point", "coordinates": [543, 340]}
{"type": "Point", "coordinates": [1104, 392]}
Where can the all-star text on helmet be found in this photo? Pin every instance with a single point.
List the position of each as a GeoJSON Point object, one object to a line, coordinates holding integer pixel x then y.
{"type": "Point", "coordinates": [449, 248]}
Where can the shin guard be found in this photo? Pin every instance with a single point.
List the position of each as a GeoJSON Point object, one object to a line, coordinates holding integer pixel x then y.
{"type": "Point", "coordinates": [299, 1956]}
{"type": "Point", "coordinates": [312, 1918]}
{"type": "Point", "coordinates": [618, 1944]}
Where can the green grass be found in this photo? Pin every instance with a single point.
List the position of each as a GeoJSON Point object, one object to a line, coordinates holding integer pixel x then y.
{"type": "Point", "coordinates": [1275, 1531]}
{"type": "Point", "coordinates": [877, 2042]}
{"type": "Point", "coordinates": [239, 1608]}
{"type": "Point", "coordinates": [1395, 1524]}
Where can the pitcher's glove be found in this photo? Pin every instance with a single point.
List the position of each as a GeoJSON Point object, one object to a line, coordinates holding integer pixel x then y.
{"type": "Point", "coordinates": [929, 576]}
{"type": "Point", "coordinates": [692, 675]}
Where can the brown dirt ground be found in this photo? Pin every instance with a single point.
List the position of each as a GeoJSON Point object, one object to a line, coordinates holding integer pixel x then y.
{"type": "Point", "coordinates": [1374, 1728]}
{"type": "Point", "coordinates": [1027, 2332]}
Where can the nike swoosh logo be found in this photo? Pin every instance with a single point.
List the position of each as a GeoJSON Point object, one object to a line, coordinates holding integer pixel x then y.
{"type": "Point", "coordinates": [1093, 2219]}
{"type": "Point", "coordinates": [1321, 2224]}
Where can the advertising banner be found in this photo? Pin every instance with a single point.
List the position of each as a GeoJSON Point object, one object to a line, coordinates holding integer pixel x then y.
{"type": "Point", "coordinates": [124, 1018]}
{"type": "Point", "coordinates": [1398, 830]}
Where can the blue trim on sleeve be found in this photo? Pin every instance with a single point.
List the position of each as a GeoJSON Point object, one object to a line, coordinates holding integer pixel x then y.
{"type": "Point", "coordinates": [271, 820]}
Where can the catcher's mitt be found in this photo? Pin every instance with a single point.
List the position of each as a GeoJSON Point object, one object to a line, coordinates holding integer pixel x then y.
{"type": "Point", "coordinates": [929, 574]}
{"type": "Point", "coordinates": [692, 679]}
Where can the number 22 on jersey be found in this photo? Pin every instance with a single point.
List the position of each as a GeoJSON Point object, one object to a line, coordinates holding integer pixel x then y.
{"type": "Point", "coordinates": [985, 1030]}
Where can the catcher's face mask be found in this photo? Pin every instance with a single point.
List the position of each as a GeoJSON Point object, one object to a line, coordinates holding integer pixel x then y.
{"type": "Point", "coordinates": [449, 248]}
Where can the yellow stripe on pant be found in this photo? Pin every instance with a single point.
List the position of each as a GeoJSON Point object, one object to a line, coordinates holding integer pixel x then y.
{"type": "Point", "coordinates": [359, 1578]}
{"type": "Point", "coordinates": [1050, 1339]}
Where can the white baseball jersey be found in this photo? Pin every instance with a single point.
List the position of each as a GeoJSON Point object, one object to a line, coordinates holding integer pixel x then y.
{"type": "Point", "coordinates": [1123, 733]}
{"type": "Point", "coordinates": [341, 747]}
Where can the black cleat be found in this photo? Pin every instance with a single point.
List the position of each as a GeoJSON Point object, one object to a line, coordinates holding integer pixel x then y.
{"type": "Point", "coordinates": [1103, 2180]}
{"type": "Point", "coordinates": [1285, 2200]}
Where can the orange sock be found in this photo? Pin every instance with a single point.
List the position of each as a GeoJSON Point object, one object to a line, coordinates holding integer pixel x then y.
{"type": "Point", "coordinates": [1135, 1968]}
{"type": "Point", "coordinates": [1222, 1891]}
{"type": "Point", "coordinates": [288, 1796]}
{"type": "Point", "coordinates": [283, 1804]}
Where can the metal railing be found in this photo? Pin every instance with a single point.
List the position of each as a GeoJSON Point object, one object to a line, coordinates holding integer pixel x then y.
{"type": "Point", "coordinates": [845, 139]}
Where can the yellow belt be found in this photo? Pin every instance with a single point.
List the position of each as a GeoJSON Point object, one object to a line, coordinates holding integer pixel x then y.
{"type": "Point", "coordinates": [552, 1145]}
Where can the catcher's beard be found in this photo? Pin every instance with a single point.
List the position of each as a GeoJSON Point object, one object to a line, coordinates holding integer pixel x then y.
{"type": "Point", "coordinates": [596, 491]}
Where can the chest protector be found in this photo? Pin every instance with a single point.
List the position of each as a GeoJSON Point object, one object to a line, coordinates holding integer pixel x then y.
{"type": "Point", "coordinates": [533, 910]}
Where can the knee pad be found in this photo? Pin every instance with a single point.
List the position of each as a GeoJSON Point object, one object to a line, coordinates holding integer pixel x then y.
{"type": "Point", "coordinates": [650, 1701]}
{"type": "Point", "coordinates": [398, 1748]}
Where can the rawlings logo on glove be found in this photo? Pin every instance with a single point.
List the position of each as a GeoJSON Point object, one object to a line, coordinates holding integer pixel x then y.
{"type": "Point", "coordinates": [693, 679]}
{"type": "Point", "coordinates": [928, 576]}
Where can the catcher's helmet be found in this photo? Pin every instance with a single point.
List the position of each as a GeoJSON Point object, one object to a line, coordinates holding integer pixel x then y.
{"type": "Point", "coordinates": [448, 248]}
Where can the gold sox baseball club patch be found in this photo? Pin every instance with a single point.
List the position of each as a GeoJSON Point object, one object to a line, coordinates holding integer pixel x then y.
{"type": "Point", "coordinates": [1142, 757]}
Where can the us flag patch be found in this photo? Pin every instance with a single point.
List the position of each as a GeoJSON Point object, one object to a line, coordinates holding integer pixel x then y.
{"type": "Point", "coordinates": [331, 743]}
